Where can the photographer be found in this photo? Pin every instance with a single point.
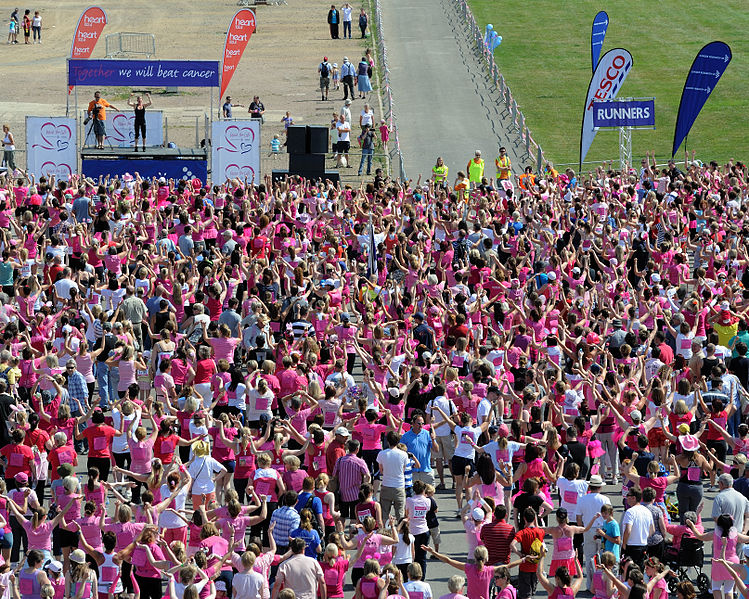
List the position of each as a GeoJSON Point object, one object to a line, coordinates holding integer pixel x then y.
{"type": "Point", "coordinates": [97, 111]}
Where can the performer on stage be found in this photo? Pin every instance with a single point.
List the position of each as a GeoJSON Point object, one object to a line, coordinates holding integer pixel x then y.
{"type": "Point", "coordinates": [140, 117]}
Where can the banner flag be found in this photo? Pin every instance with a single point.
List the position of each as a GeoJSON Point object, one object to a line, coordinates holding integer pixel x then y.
{"type": "Point", "coordinates": [707, 69]}
{"type": "Point", "coordinates": [605, 83]}
{"type": "Point", "coordinates": [87, 33]}
{"type": "Point", "coordinates": [597, 35]}
{"type": "Point", "coordinates": [241, 29]}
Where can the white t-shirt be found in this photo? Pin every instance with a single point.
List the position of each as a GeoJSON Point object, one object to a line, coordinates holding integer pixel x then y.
{"type": "Point", "coordinates": [258, 400]}
{"type": "Point", "coordinates": [393, 464]}
{"type": "Point", "coordinates": [418, 586]}
{"type": "Point", "coordinates": [588, 506]}
{"type": "Point", "coordinates": [483, 410]}
{"type": "Point", "coordinates": [448, 407]}
{"type": "Point", "coordinates": [344, 130]}
{"type": "Point", "coordinates": [119, 443]}
{"type": "Point", "coordinates": [167, 519]}
{"type": "Point", "coordinates": [367, 117]}
{"type": "Point", "coordinates": [346, 13]}
{"type": "Point", "coordinates": [492, 448]}
{"type": "Point", "coordinates": [641, 520]}
{"type": "Point", "coordinates": [402, 552]}
{"type": "Point", "coordinates": [570, 492]}
{"type": "Point", "coordinates": [202, 471]}
{"type": "Point", "coordinates": [464, 449]}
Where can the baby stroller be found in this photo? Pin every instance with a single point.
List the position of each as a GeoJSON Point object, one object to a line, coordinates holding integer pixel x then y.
{"type": "Point", "coordinates": [689, 556]}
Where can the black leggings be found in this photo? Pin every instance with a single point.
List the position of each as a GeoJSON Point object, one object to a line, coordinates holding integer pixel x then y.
{"type": "Point", "coordinates": [103, 465]}
{"type": "Point", "coordinates": [140, 130]}
{"type": "Point", "coordinates": [420, 556]}
{"type": "Point", "coordinates": [150, 588]}
{"type": "Point", "coordinates": [240, 486]}
{"type": "Point", "coordinates": [720, 448]}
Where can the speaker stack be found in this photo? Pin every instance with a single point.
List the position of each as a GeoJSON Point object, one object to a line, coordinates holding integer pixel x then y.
{"type": "Point", "coordinates": [307, 146]}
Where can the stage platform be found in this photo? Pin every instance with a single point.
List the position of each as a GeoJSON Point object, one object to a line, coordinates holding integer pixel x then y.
{"type": "Point", "coordinates": [172, 163]}
{"type": "Point", "coordinates": [108, 152]}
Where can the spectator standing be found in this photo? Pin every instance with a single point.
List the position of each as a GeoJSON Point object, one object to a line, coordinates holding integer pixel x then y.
{"type": "Point", "coordinates": [323, 70]}
{"type": "Point", "coordinates": [363, 73]}
{"type": "Point", "coordinates": [9, 149]}
{"type": "Point", "coordinates": [97, 111]}
{"type": "Point", "coordinates": [334, 19]}
{"type": "Point", "coordinates": [363, 22]}
{"type": "Point", "coordinates": [36, 27]}
{"type": "Point", "coordinates": [26, 26]}
{"type": "Point", "coordinates": [351, 472]}
{"type": "Point", "coordinates": [346, 11]}
{"type": "Point", "coordinates": [366, 117]}
{"type": "Point", "coordinates": [497, 537]}
{"type": "Point", "coordinates": [526, 544]}
{"type": "Point", "coordinates": [637, 525]}
{"type": "Point", "coordinates": [301, 573]}
{"type": "Point", "coordinates": [343, 129]}
{"type": "Point", "coordinates": [367, 141]}
{"type": "Point", "coordinates": [257, 109]}
{"type": "Point", "coordinates": [348, 72]}
{"type": "Point", "coordinates": [588, 506]}
{"type": "Point", "coordinates": [227, 107]}
{"type": "Point", "coordinates": [393, 463]}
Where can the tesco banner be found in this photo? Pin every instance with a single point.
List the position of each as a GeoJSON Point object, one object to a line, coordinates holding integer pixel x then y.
{"type": "Point", "coordinates": [236, 150]}
{"type": "Point", "coordinates": [87, 33]}
{"type": "Point", "coordinates": [51, 147]}
{"type": "Point", "coordinates": [629, 113]}
{"type": "Point", "coordinates": [606, 82]}
{"type": "Point", "coordinates": [241, 29]}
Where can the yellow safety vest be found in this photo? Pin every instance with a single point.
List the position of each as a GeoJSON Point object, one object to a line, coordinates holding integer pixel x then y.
{"type": "Point", "coordinates": [476, 171]}
{"type": "Point", "coordinates": [503, 163]}
{"type": "Point", "coordinates": [440, 173]}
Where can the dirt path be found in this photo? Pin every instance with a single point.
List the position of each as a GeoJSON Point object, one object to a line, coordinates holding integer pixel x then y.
{"type": "Point", "coordinates": [279, 64]}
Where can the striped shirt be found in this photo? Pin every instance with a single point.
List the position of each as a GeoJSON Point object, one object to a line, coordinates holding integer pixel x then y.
{"type": "Point", "coordinates": [408, 474]}
{"type": "Point", "coordinates": [350, 471]}
{"type": "Point", "coordinates": [286, 519]}
{"type": "Point", "coordinates": [497, 538]}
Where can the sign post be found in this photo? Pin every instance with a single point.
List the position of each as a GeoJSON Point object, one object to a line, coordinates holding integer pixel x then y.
{"type": "Point", "coordinates": [624, 115]}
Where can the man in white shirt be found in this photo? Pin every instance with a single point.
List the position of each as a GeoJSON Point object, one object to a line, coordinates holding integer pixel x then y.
{"type": "Point", "coordinates": [343, 128]}
{"type": "Point", "coordinates": [588, 506]}
{"type": "Point", "coordinates": [445, 439]}
{"type": "Point", "coordinates": [346, 11]}
{"type": "Point", "coordinates": [393, 463]}
{"type": "Point", "coordinates": [637, 525]}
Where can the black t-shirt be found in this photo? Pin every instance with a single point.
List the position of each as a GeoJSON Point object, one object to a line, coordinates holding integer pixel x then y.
{"type": "Point", "coordinates": [109, 342]}
{"type": "Point", "coordinates": [6, 400]}
{"type": "Point", "coordinates": [525, 500]}
{"type": "Point", "coordinates": [740, 367]}
{"type": "Point", "coordinates": [577, 451]}
{"type": "Point", "coordinates": [256, 108]}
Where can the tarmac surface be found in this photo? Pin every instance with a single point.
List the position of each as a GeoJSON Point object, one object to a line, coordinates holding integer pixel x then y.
{"type": "Point", "coordinates": [445, 104]}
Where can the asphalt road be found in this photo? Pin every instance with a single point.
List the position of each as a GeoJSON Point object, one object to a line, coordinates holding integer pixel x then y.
{"type": "Point", "coordinates": [443, 102]}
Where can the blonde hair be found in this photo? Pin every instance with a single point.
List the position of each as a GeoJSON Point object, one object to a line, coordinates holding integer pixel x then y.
{"type": "Point", "coordinates": [264, 460]}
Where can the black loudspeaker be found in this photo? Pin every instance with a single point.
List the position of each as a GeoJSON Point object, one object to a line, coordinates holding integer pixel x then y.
{"type": "Point", "coordinates": [307, 163]}
{"type": "Point", "coordinates": [279, 175]}
{"type": "Point", "coordinates": [332, 176]}
{"type": "Point", "coordinates": [296, 139]}
{"type": "Point", "coordinates": [317, 137]}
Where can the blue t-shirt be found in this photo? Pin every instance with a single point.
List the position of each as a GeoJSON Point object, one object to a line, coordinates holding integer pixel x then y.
{"type": "Point", "coordinates": [311, 540]}
{"type": "Point", "coordinates": [611, 529]}
{"type": "Point", "coordinates": [302, 501]}
{"type": "Point", "coordinates": [421, 446]}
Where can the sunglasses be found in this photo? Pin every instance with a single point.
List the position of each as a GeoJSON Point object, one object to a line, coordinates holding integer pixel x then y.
{"type": "Point", "coordinates": [498, 577]}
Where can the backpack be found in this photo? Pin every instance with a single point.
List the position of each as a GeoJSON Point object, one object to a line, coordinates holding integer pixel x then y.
{"type": "Point", "coordinates": [315, 521]}
{"type": "Point", "coordinates": [324, 69]}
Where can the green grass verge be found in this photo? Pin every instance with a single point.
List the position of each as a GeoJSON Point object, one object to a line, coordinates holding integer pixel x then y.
{"type": "Point", "coordinates": [545, 58]}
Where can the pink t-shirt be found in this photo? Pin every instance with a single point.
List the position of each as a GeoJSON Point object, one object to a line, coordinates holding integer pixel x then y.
{"type": "Point", "coordinates": [371, 434]}
{"type": "Point", "coordinates": [40, 537]}
{"type": "Point", "coordinates": [223, 347]}
{"type": "Point", "coordinates": [334, 576]}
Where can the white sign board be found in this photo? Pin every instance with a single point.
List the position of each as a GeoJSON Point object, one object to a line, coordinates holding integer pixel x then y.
{"type": "Point", "coordinates": [121, 130]}
{"type": "Point", "coordinates": [236, 150]}
{"type": "Point", "coordinates": [51, 147]}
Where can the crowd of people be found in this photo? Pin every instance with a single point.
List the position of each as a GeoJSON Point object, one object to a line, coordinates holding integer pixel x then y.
{"type": "Point", "coordinates": [272, 384]}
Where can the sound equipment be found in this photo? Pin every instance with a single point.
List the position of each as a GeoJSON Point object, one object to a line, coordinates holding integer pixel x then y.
{"type": "Point", "coordinates": [332, 176]}
{"type": "Point", "coordinates": [317, 138]}
{"type": "Point", "coordinates": [296, 139]}
{"type": "Point", "coordinates": [304, 164]}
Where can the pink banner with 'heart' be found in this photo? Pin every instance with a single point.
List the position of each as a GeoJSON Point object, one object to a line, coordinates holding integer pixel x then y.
{"type": "Point", "coordinates": [87, 33]}
{"type": "Point", "coordinates": [241, 29]}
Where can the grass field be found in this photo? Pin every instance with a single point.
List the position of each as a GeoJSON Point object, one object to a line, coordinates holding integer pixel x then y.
{"type": "Point", "coordinates": [545, 58]}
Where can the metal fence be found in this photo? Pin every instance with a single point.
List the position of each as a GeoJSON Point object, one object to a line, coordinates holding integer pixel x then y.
{"type": "Point", "coordinates": [129, 43]}
{"type": "Point", "coordinates": [516, 116]}
{"type": "Point", "coordinates": [394, 151]}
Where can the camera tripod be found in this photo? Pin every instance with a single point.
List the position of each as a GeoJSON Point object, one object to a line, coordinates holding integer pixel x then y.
{"type": "Point", "coordinates": [90, 130]}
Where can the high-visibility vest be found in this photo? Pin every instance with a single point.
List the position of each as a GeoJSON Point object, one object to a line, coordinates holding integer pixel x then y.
{"type": "Point", "coordinates": [476, 170]}
{"type": "Point", "coordinates": [503, 162]}
{"type": "Point", "coordinates": [439, 173]}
